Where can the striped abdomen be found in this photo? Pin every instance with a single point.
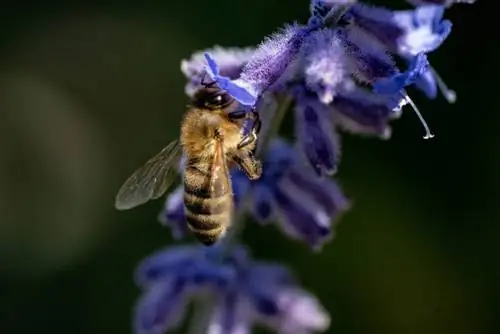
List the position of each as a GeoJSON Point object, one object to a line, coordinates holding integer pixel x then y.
{"type": "Point", "coordinates": [208, 201]}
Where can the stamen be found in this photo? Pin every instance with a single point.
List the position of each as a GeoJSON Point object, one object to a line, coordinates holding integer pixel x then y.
{"type": "Point", "coordinates": [428, 133]}
{"type": "Point", "coordinates": [448, 94]}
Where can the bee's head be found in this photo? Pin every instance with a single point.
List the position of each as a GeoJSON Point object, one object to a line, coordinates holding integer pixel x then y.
{"type": "Point", "coordinates": [212, 97]}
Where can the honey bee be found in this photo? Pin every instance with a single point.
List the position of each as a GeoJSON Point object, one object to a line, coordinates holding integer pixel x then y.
{"type": "Point", "coordinates": [212, 142]}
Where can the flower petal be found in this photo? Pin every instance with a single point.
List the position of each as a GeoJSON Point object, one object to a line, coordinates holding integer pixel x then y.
{"type": "Point", "coordinates": [369, 59]}
{"type": "Point", "coordinates": [424, 30]}
{"type": "Point", "coordinates": [165, 264]}
{"type": "Point", "coordinates": [298, 219]}
{"type": "Point", "coordinates": [323, 191]}
{"type": "Point", "coordinates": [325, 64]}
{"type": "Point", "coordinates": [172, 214]}
{"type": "Point", "coordinates": [446, 3]}
{"type": "Point", "coordinates": [230, 316]}
{"type": "Point", "coordinates": [300, 312]}
{"type": "Point", "coordinates": [407, 32]}
{"type": "Point", "coordinates": [230, 61]}
{"type": "Point", "coordinates": [161, 308]}
{"type": "Point", "coordinates": [272, 59]}
{"type": "Point", "coordinates": [427, 83]}
{"type": "Point", "coordinates": [396, 83]}
{"type": "Point", "coordinates": [358, 110]}
{"type": "Point", "coordinates": [233, 88]}
{"type": "Point", "coordinates": [315, 136]}
{"type": "Point", "coordinates": [262, 204]}
{"type": "Point", "coordinates": [262, 280]}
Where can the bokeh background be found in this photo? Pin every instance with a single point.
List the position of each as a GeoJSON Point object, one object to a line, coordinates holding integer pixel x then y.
{"type": "Point", "coordinates": [88, 92]}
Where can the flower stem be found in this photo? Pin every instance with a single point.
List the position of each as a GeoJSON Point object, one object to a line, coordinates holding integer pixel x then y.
{"type": "Point", "coordinates": [202, 312]}
{"type": "Point", "coordinates": [284, 103]}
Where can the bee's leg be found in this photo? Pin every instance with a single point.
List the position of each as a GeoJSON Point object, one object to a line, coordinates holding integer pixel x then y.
{"type": "Point", "coordinates": [249, 165]}
{"type": "Point", "coordinates": [239, 114]}
{"type": "Point", "coordinates": [252, 136]}
{"type": "Point", "coordinates": [247, 140]}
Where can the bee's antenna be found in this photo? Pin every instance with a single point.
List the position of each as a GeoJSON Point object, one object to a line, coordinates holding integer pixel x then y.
{"type": "Point", "coordinates": [205, 83]}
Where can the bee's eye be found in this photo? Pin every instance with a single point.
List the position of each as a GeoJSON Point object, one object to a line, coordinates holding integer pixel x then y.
{"type": "Point", "coordinates": [216, 100]}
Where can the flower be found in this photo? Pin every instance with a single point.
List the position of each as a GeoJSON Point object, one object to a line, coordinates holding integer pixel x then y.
{"type": "Point", "coordinates": [230, 60]}
{"type": "Point", "coordinates": [268, 63]}
{"type": "Point", "coordinates": [439, 2]}
{"type": "Point", "coordinates": [301, 203]}
{"type": "Point", "coordinates": [245, 292]}
{"type": "Point", "coordinates": [407, 34]}
{"type": "Point", "coordinates": [315, 133]}
{"type": "Point", "coordinates": [361, 111]}
{"type": "Point", "coordinates": [324, 64]}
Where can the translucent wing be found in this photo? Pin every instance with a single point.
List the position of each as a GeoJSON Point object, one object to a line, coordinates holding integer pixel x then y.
{"type": "Point", "coordinates": [151, 180]}
{"type": "Point", "coordinates": [220, 182]}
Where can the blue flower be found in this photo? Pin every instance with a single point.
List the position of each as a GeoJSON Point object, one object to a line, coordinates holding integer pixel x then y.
{"type": "Point", "coordinates": [291, 194]}
{"type": "Point", "coordinates": [267, 65]}
{"type": "Point", "coordinates": [439, 2]}
{"type": "Point", "coordinates": [245, 292]}
{"type": "Point", "coordinates": [315, 133]}
{"type": "Point", "coordinates": [360, 111]}
{"type": "Point", "coordinates": [230, 60]}
{"type": "Point", "coordinates": [398, 81]}
{"type": "Point", "coordinates": [288, 193]}
{"type": "Point", "coordinates": [325, 64]}
{"type": "Point", "coordinates": [405, 33]}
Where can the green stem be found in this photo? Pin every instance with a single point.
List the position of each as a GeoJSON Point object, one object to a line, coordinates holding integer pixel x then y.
{"type": "Point", "coordinates": [201, 315]}
{"type": "Point", "coordinates": [284, 103]}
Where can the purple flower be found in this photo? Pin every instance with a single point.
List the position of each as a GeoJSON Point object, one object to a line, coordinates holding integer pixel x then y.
{"type": "Point", "coordinates": [407, 32]}
{"type": "Point", "coordinates": [244, 292]}
{"type": "Point", "coordinates": [439, 2]}
{"type": "Point", "coordinates": [230, 61]}
{"type": "Point", "coordinates": [360, 111]}
{"type": "Point", "coordinates": [398, 81]}
{"type": "Point", "coordinates": [303, 204]}
{"type": "Point", "coordinates": [268, 65]}
{"type": "Point", "coordinates": [169, 279]}
{"type": "Point", "coordinates": [291, 194]}
{"type": "Point", "coordinates": [173, 214]}
{"type": "Point", "coordinates": [325, 64]}
{"type": "Point", "coordinates": [315, 133]}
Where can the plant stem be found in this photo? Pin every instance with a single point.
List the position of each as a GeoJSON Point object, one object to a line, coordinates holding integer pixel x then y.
{"type": "Point", "coordinates": [284, 103]}
{"type": "Point", "coordinates": [201, 316]}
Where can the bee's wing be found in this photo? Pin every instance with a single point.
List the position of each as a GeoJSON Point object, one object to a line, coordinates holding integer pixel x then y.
{"type": "Point", "coordinates": [151, 180]}
{"type": "Point", "coordinates": [220, 182]}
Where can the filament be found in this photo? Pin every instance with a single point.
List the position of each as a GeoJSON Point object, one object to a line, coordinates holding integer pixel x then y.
{"type": "Point", "coordinates": [449, 94]}
{"type": "Point", "coordinates": [428, 133]}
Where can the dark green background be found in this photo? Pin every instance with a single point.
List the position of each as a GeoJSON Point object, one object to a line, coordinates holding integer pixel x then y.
{"type": "Point", "coordinates": [89, 92]}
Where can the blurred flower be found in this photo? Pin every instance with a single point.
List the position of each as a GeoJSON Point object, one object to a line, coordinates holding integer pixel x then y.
{"type": "Point", "coordinates": [439, 2]}
{"type": "Point", "coordinates": [301, 203]}
{"type": "Point", "coordinates": [245, 292]}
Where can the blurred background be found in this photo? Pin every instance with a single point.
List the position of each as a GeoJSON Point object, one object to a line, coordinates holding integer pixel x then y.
{"type": "Point", "coordinates": [89, 92]}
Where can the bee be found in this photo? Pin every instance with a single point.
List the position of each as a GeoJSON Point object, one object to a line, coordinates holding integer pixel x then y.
{"type": "Point", "coordinates": [212, 142]}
